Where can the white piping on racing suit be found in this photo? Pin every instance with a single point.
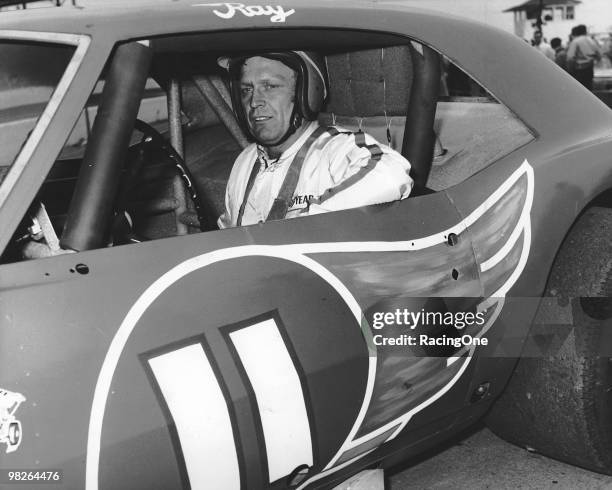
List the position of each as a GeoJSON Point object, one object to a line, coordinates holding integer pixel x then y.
{"type": "Point", "coordinates": [330, 161]}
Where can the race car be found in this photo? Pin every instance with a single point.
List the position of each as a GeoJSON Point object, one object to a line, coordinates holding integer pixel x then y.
{"type": "Point", "coordinates": [145, 348]}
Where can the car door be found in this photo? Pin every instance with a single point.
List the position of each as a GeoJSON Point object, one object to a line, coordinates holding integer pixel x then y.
{"type": "Point", "coordinates": [229, 358]}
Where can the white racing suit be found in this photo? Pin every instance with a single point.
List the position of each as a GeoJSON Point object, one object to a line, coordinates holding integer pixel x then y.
{"type": "Point", "coordinates": [379, 174]}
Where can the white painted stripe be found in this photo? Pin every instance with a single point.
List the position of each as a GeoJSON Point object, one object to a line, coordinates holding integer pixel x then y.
{"type": "Point", "coordinates": [497, 299]}
{"type": "Point", "coordinates": [141, 305]}
{"type": "Point", "coordinates": [505, 249]}
{"type": "Point", "coordinates": [499, 305]}
{"type": "Point", "coordinates": [522, 223]}
{"type": "Point", "coordinates": [294, 253]}
{"type": "Point", "coordinates": [279, 396]}
{"type": "Point", "coordinates": [525, 168]}
{"type": "Point", "coordinates": [323, 474]}
{"type": "Point", "coordinates": [82, 43]}
{"type": "Point", "coordinates": [404, 419]}
{"type": "Point", "coordinates": [503, 290]}
{"type": "Point", "coordinates": [201, 417]}
{"type": "Point", "coordinates": [348, 443]}
{"type": "Point", "coordinates": [436, 238]}
{"type": "Point", "coordinates": [452, 360]}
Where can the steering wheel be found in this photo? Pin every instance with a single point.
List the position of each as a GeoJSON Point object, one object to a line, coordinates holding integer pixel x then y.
{"type": "Point", "coordinates": [151, 136]}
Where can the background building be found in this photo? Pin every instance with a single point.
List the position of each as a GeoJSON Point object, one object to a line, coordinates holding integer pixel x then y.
{"type": "Point", "coordinates": [518, 16]}
{"type": "Point", "coordinates": [560, 16]}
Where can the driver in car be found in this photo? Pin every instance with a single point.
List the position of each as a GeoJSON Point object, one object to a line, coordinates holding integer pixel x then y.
{"type": "Point", "coordinates": [295, 167]}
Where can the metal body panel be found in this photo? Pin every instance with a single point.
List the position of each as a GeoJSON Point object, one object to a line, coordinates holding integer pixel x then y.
{"type": "Point", "coordinates": [80, 342]}
{"type": "Point", "coordinates": [233, 295]}
{"type": "Point", "coordinates": [83, 341]}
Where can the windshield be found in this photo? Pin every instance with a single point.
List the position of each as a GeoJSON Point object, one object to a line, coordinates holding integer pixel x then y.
{"type": "Point", "coordinates": [29, 73]}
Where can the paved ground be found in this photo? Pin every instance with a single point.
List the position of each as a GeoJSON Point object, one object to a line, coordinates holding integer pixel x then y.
{"type": "Point", "coordinates": [483, 461]}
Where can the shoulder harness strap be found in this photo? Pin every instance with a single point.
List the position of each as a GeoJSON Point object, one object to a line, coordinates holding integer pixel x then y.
{"type": "Point", "coordinates": [285, 196]}
{"type": "Point", "coordinates": [250, 182]}
{"type": "Point", "coordinates": [375, 155]}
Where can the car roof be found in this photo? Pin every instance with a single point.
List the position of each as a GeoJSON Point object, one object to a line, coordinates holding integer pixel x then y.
{"type": "Point", "coordinates": [528, 84]}
{"type": "Point", "coordinates": [147, 16]}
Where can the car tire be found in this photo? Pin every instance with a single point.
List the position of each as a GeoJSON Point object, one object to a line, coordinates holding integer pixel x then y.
{"type": "Point", "coordinates": [559, 402]}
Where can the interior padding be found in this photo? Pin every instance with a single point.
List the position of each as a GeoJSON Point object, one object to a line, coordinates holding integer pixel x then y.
{"type": "Point", "coordinates": [375, 126]}
{"type": "Point", "coordinates": [370, 83]}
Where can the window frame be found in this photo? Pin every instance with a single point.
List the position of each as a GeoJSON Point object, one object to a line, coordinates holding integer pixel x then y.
{"type": "Point", "coordinates": [81, 42]}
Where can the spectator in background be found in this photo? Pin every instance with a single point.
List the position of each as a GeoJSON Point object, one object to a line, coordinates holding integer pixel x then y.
{"type": "Point", "coordinates": [542, 46]}
{"type": "Point", "coordinates": [607, 51]}
{"type": "Point", "coordinates": [560, 52]}
{"type": "Point", "coordinates": [582, 54]}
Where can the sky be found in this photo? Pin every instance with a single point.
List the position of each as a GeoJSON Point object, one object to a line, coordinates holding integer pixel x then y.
{"type": "Point", "coordinates": [489, 11]}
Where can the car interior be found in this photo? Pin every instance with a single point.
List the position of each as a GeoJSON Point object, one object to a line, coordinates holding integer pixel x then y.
{"type": "Point", "coordinates": [162, 133]}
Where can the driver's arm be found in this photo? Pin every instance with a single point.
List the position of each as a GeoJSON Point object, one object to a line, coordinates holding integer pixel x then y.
{"type": "Point", "coordinates": [364, 172]}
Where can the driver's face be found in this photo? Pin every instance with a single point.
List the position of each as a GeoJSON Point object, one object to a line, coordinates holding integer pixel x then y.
{"type": "Point", "coordinates": [267, 89]}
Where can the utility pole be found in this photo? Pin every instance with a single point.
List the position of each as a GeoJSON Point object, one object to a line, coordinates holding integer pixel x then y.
{"type": "Point", "coordinates": [539, 21]}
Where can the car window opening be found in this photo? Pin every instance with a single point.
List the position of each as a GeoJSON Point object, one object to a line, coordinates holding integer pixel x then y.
{"type": "Point", "coordinates": [170, 178]}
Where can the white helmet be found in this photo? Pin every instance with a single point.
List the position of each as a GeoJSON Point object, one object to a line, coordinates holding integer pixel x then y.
{"type": "Point", "coordinates": [310, 87]}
